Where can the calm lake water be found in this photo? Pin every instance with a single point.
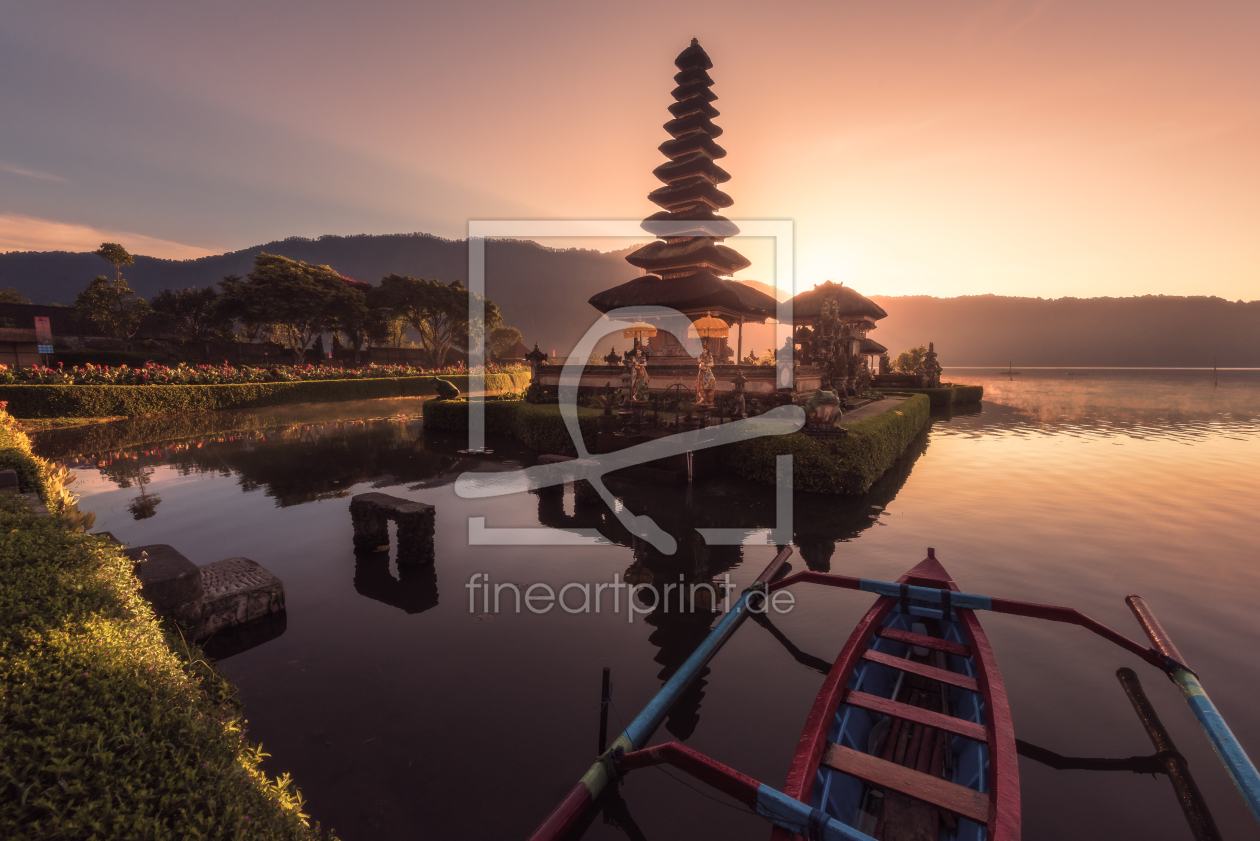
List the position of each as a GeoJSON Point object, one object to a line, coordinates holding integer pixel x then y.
{"type": "Point", "coordinates": [403, 713]}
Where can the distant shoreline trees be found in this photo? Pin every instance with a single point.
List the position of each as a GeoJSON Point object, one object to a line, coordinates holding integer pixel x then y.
{"type": "Point", "coordinates": [908, 361]}
{"type": "Point", "coordinates": [110, 305]}
{"type": "Point", "coordinates": [193, 313]}
{"type": "Point", "coordinates": [294, 303]}
{"type": "Point", "coordinates": [438, 312]}
{"type": "Point", "coordinates": [297, 301]}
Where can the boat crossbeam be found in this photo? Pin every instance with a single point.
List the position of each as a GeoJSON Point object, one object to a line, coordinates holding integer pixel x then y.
{"type": "Point", "coordinates": [1162, 653]}
{"type": "Point", "coordinates": [949, 599]}
{"type": "Point", "coordinates": [772, 804]}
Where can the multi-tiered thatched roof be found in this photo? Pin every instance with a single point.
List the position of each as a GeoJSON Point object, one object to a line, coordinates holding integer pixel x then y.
{"type": "Point", "coordinates": [688, 267]}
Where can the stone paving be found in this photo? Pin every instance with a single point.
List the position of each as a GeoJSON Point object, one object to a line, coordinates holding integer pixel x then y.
{"type": "Point", "coordinates": [871, 410]}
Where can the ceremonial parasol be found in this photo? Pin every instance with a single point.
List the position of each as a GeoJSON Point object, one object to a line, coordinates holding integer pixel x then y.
{"type": "Point", "coordinates": [709, 328]}
{"type": "Point", "coordinates": [638, 330]}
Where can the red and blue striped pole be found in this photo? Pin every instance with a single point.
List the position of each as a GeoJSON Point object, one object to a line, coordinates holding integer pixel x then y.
{"type": "Point", "coordinates": [636, 735]}
{"type": "Point", "coordinates": [1240, 767]}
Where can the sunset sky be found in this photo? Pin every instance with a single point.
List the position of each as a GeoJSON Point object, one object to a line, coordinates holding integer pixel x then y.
{"type": "Point", "coordinates": [947, 148]}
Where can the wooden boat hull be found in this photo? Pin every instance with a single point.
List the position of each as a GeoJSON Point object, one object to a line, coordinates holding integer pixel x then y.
{"type": "Point", "coordinates": [946, 767]}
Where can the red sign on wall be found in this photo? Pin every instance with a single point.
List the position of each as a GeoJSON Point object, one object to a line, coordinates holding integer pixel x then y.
{"type": "Point", "coordinates": [43, 334]}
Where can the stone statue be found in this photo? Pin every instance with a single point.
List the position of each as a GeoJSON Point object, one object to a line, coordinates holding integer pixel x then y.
{"type": "Point", "coordinates": [931, 368]}
{"type": "Point", "coordinates": [705, 381]}
{"type": "Point", "coordinates": [445, 390]}
{"type": "Point", "coordinates": [741, 407]}
{"type": "Point", "coordinates": [536, 359]}
{"type": "Point", "coordinates": [822, 410]}
{"type": "Point", "coordinates": [639, 388]}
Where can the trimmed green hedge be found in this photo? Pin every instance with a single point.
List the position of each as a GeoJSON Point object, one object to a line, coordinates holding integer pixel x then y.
{"type": "Point", "coordinates": [107, 731]}
{"type": "Point", "coordinates": [846, 465]}
{"type": "Point", "coordinates": [537, 426]}
{"type": "Point", "coordinates": [947, 395]}
{"type": "Point", "coordinates": [84, 401]}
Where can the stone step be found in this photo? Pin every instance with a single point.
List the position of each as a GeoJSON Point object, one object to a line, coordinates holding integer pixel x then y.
{"type": "Point", "coordinates": [9, 481]}
{"type": "Point", "coordinates": [237, 591]}
{"type": "Point", "coordinates": [170, 582]}
{"type": "Point", "coordinates": [206, 599]}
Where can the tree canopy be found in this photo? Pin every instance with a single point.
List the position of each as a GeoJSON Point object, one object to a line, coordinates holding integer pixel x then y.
{"type": "Point", "coordinates": [297, 301]}
{"type": "Point", "coordinates": [504, 338]}
{"type": "Point", "coordinates": [908, 360]}
{"type": "Point", "coordinates": [111, 307]}
{"type": "Point", "coordinates": [360, 323]}
{"type": "Point", "coordinates": [116, 256]}
{"type": "Point", "coordinates": [437, 311]}
{"type": "Point", "coordinates": [191, 312]}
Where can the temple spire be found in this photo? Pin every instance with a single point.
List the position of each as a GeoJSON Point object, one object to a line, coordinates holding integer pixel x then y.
{"type": "Point", "coordinates": [691, 177]}
{"type": "Point", "coordinates": [688, 269]}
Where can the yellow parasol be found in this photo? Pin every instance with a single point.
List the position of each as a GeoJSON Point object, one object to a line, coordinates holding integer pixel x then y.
{"type": "Point", "coordinates": [638, 330]}
{"type": "Point", "coordinates": [709, 328]}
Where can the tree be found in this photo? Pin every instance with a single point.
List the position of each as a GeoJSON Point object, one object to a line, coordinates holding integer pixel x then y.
{"type": "Point", "coordinates": [191, 312]}
{"type": "Point", "coordinates": [111, 307]}
{"type": "Point", "coordinates": [438, 312]}
{"type": "Point", "coordinates": [908, 360]}
{"type": "Point", "coordinates": [356, 321]}
{"type": "Point", "coordinates": [388, 330]}
{"type": "Point", "coordinates": [296, 300]}
{"type": "Point", "coordinates": [9, 295]}
{"type": "Point", "coordinates": [231, 307]}
{"type": "Point", "coordinates": [116, 256]}
{"type": "Point", "coordinates": [504, 338]}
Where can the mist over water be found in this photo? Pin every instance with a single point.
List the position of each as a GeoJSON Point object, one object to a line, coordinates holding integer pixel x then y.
{"type": "Point", "coordinates": [402, 712]}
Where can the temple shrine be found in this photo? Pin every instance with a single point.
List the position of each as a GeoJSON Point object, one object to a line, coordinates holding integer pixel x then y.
{"type": "Point", "coordinates": [688, 269]}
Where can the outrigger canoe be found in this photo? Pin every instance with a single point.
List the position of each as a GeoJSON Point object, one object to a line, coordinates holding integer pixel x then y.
{"type": "Point", "coordinates": [910, 737]}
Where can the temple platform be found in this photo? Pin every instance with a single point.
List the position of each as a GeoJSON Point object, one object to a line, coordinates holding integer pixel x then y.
{"type": "Point", "coordinates": [759, 379]}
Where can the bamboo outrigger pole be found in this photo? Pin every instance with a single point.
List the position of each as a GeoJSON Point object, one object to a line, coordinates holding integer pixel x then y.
{"type": "Point", "coordinates": [640, 729]}
{"type": "Point", "coordinates": [1162, 654]}
{"type": "Point", "coordinates": [799, 817]}
{"type": "Point", "coordinates": [1240, 767]}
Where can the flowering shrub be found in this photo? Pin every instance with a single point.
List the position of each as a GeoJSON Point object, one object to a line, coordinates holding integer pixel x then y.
{"type": "Point", "coordinates": [182, 374]}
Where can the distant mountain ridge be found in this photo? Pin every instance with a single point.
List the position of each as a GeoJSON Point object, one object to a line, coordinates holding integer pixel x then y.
{"type": "Point", "coordinates": [1156, 331]}
{"type": "Point", "coordinates": [543, 292]}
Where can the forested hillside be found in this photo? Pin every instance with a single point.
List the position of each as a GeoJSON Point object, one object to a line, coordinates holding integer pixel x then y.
{"type": "Point", "coordinates": [544, 291]}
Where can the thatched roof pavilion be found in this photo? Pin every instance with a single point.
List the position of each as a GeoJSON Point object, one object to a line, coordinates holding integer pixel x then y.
{"type": "Point", "coordinates": [851, 304]}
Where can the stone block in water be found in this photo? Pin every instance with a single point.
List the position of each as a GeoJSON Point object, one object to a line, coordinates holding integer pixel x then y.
{"type": "Point", "coordinates": [170, 582]}
{"type": "Point", "coordinates": [237, 591]}
{"type": "Point", "coordinates": [370, 514]}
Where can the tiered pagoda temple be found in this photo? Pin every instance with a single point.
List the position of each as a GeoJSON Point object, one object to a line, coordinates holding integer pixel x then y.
{"type": "Point", "coordinates": [687, 267]}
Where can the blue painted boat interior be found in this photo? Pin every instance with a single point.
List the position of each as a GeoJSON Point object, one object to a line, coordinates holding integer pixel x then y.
{"type": "Point", "coordinates": [852, 801]}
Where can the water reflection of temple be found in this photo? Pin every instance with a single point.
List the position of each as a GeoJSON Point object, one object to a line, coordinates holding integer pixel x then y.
{"type": "Point", "coordinates": [819, 524]}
